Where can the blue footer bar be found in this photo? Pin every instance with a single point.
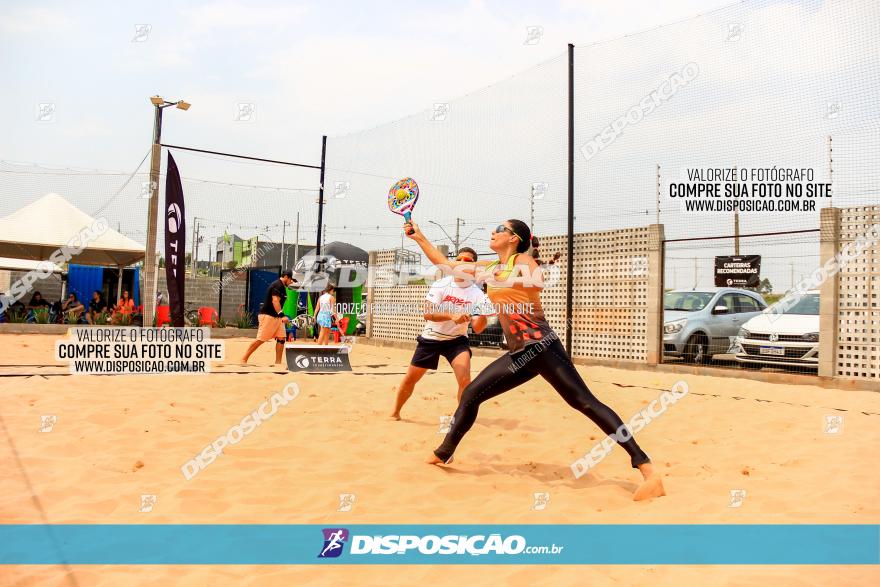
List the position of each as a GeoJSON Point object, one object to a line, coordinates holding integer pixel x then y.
{"type": "Point", "coordinates": [643, 544]}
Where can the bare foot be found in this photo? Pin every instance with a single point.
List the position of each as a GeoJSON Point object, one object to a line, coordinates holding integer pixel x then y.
{"type": "Point", "coordinates": [395, 416]}
{"type": "Point", "coordinates": [435, 460]}
{"type": "Point", "coordinates": [652, 486]}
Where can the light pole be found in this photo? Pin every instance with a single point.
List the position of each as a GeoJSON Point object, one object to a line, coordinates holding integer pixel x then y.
{"type": "Point", "coordinates": [464, 240]}
{"type": "Point", "coordinates": [452, 240]}
{"type": "Point", "coordinates": [150, 259]}
{"type": "Point", "coordinates": [456, 242]}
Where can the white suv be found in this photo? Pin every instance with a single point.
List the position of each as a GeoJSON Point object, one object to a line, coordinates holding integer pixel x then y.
{"type": "Point", "coordinates": [790, 338]}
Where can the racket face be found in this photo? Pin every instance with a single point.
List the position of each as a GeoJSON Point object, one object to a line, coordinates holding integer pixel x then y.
{"type": "Point", "coordinates": [403, 195]}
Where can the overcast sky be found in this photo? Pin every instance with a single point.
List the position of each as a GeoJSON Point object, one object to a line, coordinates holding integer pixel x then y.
{"type": "Point", "coordinates": [310, 68]}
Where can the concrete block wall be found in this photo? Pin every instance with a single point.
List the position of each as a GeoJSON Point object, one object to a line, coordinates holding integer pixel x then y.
{"type": "Point", "coordinates": [396, 313]}
{"type": "Point", "coordinates": [615, 314]}
{"type": "Point", "coordinates": [201, 291]}
{"type": "Point", "coordinates": [50, 287]}
{"type": "Point", "coordinates": [617, 311]}
{"type": "Point", "coordinates": [853, 343]}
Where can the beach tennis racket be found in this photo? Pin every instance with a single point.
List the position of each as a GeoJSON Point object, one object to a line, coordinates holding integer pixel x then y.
{"type": "Point", "coordinates": [402, 198]}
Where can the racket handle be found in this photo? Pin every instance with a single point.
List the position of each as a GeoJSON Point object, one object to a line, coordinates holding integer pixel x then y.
{"type": "Point", "coordinates": [407, 217]}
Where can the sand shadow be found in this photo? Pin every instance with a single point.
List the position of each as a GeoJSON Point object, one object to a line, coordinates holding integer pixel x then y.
{"type": "Point", "coordinates": [509, 424]}
{"type": "Point", "coordinates": [543, 473]}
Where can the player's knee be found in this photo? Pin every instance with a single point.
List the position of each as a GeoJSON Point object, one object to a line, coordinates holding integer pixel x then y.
{"type": "Point", "coordinates": [470, 395]}
{"type": "Point", "coordinates": [411, 379]}
{"type": "Point", "coordinates": [582, 404]}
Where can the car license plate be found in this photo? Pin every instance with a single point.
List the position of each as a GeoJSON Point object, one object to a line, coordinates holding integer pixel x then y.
{"type": "Point", "coordinates": [772, 350]}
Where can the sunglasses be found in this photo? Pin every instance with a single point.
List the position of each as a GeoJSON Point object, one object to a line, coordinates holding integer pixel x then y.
{"type": "Point", "coordinates": [502, 228]}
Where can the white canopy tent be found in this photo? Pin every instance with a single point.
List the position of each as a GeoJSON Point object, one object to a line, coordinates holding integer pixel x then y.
{"type": "Point", "coordinates": [25, 265]}
{"type": "Point", "coordinates": [43, 227]}
{"type": "Point", "coordinates": [39, 229]}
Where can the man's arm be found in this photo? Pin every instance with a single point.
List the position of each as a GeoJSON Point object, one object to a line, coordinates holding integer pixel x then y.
{"type": "Point", "coordinates": [479, 324]}
{"type": "Point", "coordinates": [276, 301]}
{"type": "Point", "coordinates": [434, 316]}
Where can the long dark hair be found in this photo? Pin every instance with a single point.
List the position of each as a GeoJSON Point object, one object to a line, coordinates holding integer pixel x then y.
{"type": "Point", "coordinates": [524, 233]}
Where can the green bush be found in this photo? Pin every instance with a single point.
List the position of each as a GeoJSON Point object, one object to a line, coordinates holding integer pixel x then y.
{"type": "Point", "coordinates": [16, 316]}
{"type": "Point", "coordinates": [221, 323]}
{"type": "Point", "coordinates": [102, 319]}
{"type": "Point", "coordinates": [772, 298]}
{"type": "Point", "coordinates": [41, 315]}
{"type": "Point", "coordinates": [245, 319]}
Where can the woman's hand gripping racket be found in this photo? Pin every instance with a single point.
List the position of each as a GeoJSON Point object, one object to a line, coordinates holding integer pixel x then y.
{"type": "Point", "coordinates": [402, 198]}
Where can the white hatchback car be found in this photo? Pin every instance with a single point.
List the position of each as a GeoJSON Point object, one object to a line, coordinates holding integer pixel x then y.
{"type": "Point", "coordinates": [790, 338]}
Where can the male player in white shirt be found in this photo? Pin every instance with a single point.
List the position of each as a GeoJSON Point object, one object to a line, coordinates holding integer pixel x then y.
{"type": "Point", "coordinates": [449, 307]}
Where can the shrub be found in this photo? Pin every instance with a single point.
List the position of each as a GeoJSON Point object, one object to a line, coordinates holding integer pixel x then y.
{"type": "Point", "coordinates": [16, 316]}
{"type": "Point", "coordinates": [245, 319]}
{"type": "Point", "coordinates": [41, 316]}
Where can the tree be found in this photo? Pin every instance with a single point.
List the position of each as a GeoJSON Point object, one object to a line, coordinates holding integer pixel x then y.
{"type": "Point", "coordinates": [764, 287]}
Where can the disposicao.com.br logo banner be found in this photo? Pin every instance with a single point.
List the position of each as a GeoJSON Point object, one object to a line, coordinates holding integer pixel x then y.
{"type": "Point", "coordinates": [429, 544]}
{"type": "Point", "coordinates": [481, 544]}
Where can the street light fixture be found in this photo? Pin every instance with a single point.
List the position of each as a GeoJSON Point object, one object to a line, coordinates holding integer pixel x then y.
{"type": "Point", "coordinates": [472, 233]}
{"type": "Point", "coordinates": [150, 265]}
{"type": "Point", "coordinates": [452, 240]}
{"type": "Point", "coordinates": [456, 242]}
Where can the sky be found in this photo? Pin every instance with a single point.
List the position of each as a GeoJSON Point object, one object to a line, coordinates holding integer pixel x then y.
{"type": "Point", "coordinates": [309, 68]}
{"type": "Point", "coordinates": [362, 73]}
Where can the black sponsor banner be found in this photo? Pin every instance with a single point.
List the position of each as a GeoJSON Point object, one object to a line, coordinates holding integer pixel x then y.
{"type": "Point", "coordinates": [316, 359]}
{"type": "Point", "coordinates": [175, 243]}
{"type": "Point", "coordinates": [739, 271]}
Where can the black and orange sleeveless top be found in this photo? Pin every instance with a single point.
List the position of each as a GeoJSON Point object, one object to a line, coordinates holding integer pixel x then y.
{"type": "Point", "coordinates": [519, 309]}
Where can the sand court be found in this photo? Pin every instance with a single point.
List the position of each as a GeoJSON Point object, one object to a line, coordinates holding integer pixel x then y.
{"type": "Point", "coordinates": [114, 440]}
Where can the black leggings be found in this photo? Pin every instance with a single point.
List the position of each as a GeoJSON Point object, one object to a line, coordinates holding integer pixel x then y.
{"type": "Point", "coordinates": [551, 362]}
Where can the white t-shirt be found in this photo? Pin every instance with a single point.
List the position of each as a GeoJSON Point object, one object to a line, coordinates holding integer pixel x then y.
{"type": "Point", "coordinates": [448, 296]}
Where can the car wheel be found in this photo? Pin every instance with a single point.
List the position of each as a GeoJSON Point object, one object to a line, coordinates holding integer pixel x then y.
{"type": "Point", "coordinates": [695, 350]}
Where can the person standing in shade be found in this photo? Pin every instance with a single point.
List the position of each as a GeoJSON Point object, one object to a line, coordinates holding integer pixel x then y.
{"type": "Point", "coordinates": [271, 318]}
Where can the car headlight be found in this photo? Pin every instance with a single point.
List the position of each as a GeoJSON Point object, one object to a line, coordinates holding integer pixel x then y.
{"type": "Point", "coordinates": [673, 327]}
{"type": "Point", "coordinates": [743, 333]}
{"type": "Point", "coordinates": [811, 337]}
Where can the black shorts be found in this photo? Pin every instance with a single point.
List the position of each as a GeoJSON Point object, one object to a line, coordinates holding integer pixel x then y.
{"type": "Point", "coordinates": [428, 352]}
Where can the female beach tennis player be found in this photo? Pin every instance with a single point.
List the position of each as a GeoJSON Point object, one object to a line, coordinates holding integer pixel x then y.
{"type": "Point", "coordinates": [515, 282]}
